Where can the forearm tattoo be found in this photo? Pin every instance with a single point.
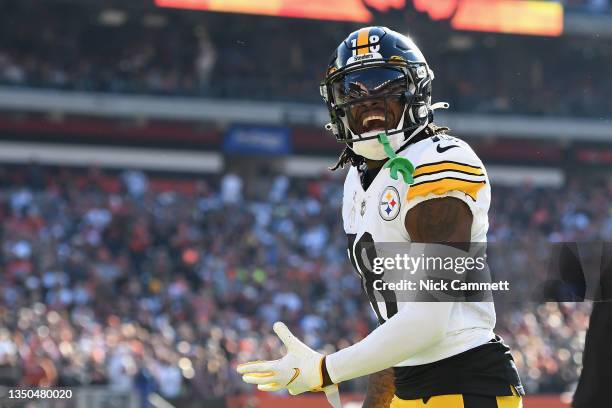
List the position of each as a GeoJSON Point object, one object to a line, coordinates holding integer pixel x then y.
{"type": "Point", "coordinates": [380, 389]}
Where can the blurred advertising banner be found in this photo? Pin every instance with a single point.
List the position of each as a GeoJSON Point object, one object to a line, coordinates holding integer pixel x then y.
{"type": "Point", "coordinates": [597, 155]}
{"type": "Point", "coordinates": [257, 140]}
{"type": "Point", "coordinates": [498, 16]}
{"type": "Point", "coordinates": [532, 17]}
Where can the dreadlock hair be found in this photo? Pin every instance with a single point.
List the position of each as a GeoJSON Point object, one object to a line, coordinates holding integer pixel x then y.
{"type": "Point", "coordinates": [349, 156]}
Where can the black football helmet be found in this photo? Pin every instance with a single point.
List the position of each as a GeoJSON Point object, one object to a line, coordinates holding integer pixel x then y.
{"type": "Point", "coordinates": [376, 64]}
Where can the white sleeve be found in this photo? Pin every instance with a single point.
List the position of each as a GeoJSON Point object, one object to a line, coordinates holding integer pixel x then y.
{"type": "Point", "coordinates": [415, 327]}
{"type": "Point", "coordinates": [454, 171]}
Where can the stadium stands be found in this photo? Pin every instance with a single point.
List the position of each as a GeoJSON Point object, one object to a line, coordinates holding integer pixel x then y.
{"type": "Point", "coordinates": [162, 282]}
{"type": "Point", "coordinates": [171, 53]}
{"type": "Point", "coordinates": [123, 279]}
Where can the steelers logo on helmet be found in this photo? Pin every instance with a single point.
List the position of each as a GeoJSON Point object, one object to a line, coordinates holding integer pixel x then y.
{"type": "Point", "coordinates": [389, 204]}
{"type": "Point", "coordinates": [378, 82]}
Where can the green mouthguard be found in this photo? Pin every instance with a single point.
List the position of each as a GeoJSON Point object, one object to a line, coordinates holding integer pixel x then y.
{"type": "Point", "coordinates": [395, 163]}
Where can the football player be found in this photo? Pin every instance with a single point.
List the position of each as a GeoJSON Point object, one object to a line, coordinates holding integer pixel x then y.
{"type": "Point", "coordinates": [423, 354]}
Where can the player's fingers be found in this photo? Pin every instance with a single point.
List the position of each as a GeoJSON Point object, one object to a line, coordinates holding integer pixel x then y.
{"type": "Point", "coordinates": [255, 367]}
{"type": "Point", "coordinates": [271, 387]}
{"type": "Point", "coordinates": [259, 378]}
{"type": "Point", "coordinates": [283, 333]}
{"type": "Point", "coordinates": [333, 395]}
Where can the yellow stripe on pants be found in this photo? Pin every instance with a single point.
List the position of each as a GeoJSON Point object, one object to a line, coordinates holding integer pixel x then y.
{"type": "Point", "coordinates": [453, 401]}
{"type": "Point", "coordinates": [513, 401]}
{"type": "Point", "coordinates": [440, 401]}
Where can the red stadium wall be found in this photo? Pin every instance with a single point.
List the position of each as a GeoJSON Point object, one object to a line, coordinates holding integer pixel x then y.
{"type": "Point", "coordinates": [319, 401]}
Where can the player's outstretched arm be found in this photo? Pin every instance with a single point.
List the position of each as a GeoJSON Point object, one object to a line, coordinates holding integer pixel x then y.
{"type": "Point", "coordinates": [380, 389]}
{"type": "Point", "coordinates": [444, 220]}
{"type": "Point", "coordinates": [438, 220]}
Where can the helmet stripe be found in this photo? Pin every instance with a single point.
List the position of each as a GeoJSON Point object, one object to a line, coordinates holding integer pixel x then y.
{"type": "Point", "coordinates": [363, 39]}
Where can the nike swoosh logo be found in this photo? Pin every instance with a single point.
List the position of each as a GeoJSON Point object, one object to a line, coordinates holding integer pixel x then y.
{"type": "Point", "coordinates": [295, 375]}
{"type": "Point", "coordinates": [443, 149]}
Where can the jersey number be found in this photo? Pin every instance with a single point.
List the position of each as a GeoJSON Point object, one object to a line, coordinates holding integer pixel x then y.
{"type": "Point", "coordinates": [373, 45]}
{"type": "Point", "coordinates": [356, 251]}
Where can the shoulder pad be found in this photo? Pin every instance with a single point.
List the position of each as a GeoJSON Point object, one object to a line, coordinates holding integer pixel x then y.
{"type": "Point", "coordinates": [446, 163]}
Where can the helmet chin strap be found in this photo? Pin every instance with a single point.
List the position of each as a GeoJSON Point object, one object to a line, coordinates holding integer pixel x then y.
{"type": "Point", "coordinates": [433, 107]}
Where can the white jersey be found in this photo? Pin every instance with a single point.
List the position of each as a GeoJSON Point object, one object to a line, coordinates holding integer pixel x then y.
{"type": "Point", "coordinates": [444, 167]}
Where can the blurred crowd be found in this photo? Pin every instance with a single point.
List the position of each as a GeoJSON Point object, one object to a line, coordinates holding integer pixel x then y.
{"type": "Point", "coordinates": [590, 5]}
{"type": "Point", "coordinates": [115, 279]}
{"type": "Point", "coordinates": [78, 47]}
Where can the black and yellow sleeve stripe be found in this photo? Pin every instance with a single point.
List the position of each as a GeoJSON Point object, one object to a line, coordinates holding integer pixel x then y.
{"type": "Point", "coordinates": [441, 177]}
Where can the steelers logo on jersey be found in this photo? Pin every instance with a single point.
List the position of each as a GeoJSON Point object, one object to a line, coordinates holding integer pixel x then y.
{"type": "Point", "coordinates": [389, 204]}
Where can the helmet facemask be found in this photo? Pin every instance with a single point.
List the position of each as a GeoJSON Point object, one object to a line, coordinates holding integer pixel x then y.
{"type": "Point", "coordinates": [367, 100]}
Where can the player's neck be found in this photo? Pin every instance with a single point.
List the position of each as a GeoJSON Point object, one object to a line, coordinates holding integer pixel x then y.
{"type": "Point", "coordinates": [374, 164]}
